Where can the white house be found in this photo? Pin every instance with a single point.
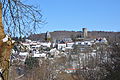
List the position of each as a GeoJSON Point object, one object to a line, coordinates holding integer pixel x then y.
{"type": "Point", "coordinates": [27, 40]}
{"type": "Point", "coordinates": [24, 54]}
{"type": "Point", "coordinates": [88, 43]}
{"type": "Point", "coordinates": [70, 44]}
{"type": "Point", "coordinates": [26, 45]}
{"type": "Point", "coordinates": [78, 42]}
{"type": "Point", "coordinates": [47, 44]}
{"type": "Point", "coordinates": [54, 52]}
{"type": "Point", "coordinates": [36, 47]}
{"type": "Point", "coordinates": [61, 46]}
{"type": "Point", "coordinates": [101, 40]}
{"type": "Point", "coordinates": [84, 43]}
{"type": "Point", "coordinates": [42, 55]}
{"type": "Point", "coordinates": [104, 40]}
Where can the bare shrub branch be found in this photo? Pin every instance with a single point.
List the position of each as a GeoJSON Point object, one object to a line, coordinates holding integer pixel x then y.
{"type": "Point", "coordinates": [20, 18]}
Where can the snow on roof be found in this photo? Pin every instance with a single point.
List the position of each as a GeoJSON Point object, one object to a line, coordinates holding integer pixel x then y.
{"type": "Point", "coordinates": [53, 50]}
{"type": "Point", "coordinates": [23, 53]}
{"type": "Point", "coordinates": [46, 44]}
{"type": "Point", "coordinates": [40, 55]}
{"type": "Point", "coordinates": [68, 48]}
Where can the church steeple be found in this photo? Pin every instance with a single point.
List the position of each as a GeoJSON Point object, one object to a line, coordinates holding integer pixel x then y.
{"type": "Point", "coordinates": [48, 36]}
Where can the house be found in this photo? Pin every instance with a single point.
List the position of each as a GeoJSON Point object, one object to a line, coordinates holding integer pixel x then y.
{"type": "Point", "coordinates": [26, 45]}
{"type": "Point", "coordinates": [39, 55]}
{"type": "Point", "coordinates": [84, 43]}
{"type": "Point", "coordinates": [54, 52]}
{"type": "Point", "coordinates": [69, 44]}
{"type": "Point", "coordinates": [35, 47]}
{"type": "Point", "coordinates": [46, 44]}
{"type": "Point", "coordinates": [88, 43]}
{"type": "Point", "coordinates": [27, 40]}
{"type": "Point", "coordinates": [25, 54]}
{"type": "Point", "coordinates": [61, 46]}
{"type": "Point", "coordinates": [101, 40]}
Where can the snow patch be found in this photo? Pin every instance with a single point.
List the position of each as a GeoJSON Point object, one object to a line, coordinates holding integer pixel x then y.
{"type": "Point", "coordinates": [5, 39]}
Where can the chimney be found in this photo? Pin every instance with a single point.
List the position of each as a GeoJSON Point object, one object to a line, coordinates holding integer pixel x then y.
{"type": "Point", "coordinates": [2, 34]}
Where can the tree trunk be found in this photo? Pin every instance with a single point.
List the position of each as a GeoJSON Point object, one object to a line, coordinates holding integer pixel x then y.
{"type": "Point", "coordinates": [5, 49]}
{"type": "Point", "coordinates": [2, 34]}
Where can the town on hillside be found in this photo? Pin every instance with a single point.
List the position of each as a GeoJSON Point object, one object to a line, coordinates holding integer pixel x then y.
{"type": "Point", "coordinates": [91, 53]}
{"type": "Point", "coordinates": [82, 53]}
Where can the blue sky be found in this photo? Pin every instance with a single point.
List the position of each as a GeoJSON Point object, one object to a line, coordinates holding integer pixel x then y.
{"type": "Point", "coordinates": [96, 15]}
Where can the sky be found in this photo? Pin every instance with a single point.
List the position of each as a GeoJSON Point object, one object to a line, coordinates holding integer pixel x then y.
{"type": "Point", "coordinates": [73, 15]}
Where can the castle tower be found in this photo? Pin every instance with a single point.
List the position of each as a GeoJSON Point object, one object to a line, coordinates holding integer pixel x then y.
{"type": "Point", "coordinates": [85, 33]}
{"type": "Point", "coordinates": [2, 34]}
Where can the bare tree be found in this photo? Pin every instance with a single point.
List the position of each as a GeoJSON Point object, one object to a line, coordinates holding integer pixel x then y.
{"type": "Point", "coordinates": [113, 65]}
{"type": "Point", "coordinates": [18, 19]}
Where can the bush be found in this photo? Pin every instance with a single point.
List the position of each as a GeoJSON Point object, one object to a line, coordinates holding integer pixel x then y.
{"type": "Point", "coordinates": [31, 62]}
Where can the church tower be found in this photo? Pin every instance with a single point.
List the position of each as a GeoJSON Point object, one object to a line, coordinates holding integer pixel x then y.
{"type": "Point", "coordinates": [85, 33]}
{"type": "Point", "coordinates": [48, 36]}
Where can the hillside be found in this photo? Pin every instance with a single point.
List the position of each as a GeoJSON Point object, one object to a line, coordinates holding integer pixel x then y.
{"type": "Point", "coordinates": [57, 35]}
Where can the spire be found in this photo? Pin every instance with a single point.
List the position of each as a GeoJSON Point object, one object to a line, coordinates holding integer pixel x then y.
{"type": "Point", "coordinates": [48, 36]}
